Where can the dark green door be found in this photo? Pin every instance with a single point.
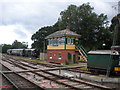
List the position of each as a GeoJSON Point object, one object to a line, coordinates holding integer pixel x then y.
{"type": "Point", "coordinates": [69, 57]}
{"type": "Point", "coordinates": [74, 59]}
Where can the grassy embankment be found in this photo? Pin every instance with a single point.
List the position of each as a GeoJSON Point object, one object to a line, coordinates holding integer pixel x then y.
{"type": "Point", "coordinates": [43, 61]}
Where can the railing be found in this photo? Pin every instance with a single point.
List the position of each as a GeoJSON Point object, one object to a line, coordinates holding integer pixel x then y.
{"type": "Point", "coordinates": [82, 51]}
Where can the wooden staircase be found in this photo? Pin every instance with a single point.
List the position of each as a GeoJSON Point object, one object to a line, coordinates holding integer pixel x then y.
{"type": "Point", "coordinates": [82, 52]}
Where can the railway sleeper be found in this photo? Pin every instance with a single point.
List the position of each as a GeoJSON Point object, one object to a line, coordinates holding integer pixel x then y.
{"type": "Point", "coordinates": [71, 79]}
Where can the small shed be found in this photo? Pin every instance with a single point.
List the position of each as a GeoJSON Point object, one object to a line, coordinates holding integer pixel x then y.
{"type": "Point", "coordinates": [102, 60]}
{"type": "Point", "coordinates": [61, 46]}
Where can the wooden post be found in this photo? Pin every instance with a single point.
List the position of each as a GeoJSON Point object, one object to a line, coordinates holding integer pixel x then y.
{"type": "Point", "coordinates": [44, 46]}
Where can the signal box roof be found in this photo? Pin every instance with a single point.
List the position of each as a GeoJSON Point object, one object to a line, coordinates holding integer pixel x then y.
{"type": "Point", "coordinates": [100, 52]}
{"type": "Point", "coordinates": [63, 33]}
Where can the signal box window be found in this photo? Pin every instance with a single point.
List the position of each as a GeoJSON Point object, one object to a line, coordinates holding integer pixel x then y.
{"type": "Point", "coordinates": [70, 41]}
{"type": "Point", "coordinates": [50, 55]}
{"type": "Point", "coordinates": [59, 56]}
{"type": "Point", "coordinates": [61, 41]}
{"type": "Point", "coordinates": [55, 42]}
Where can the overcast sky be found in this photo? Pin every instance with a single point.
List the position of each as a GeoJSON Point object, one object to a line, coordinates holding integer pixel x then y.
{"type": "Point", "coordinates": [22, 18]}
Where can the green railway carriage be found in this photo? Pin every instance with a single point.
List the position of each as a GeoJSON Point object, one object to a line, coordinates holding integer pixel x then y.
{"type": "Point", "coordinates": [103, 60]}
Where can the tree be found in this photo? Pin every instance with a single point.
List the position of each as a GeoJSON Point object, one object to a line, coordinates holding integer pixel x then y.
{"type": "Point", "coordinates": [5, 47]}
{"type": "Point", "coordinates": [115, 29]}
{"type": "Point", "coordinates": [17, 45]}
{"type": "Point", "coordinates": [93, 28]}
{"type": "Point", "coordinates": [39, 37]}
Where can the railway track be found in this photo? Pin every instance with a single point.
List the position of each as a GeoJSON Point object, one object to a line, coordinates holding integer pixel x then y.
{"type": "Point", "coordinates": [81, 71]}
{"type": "Point", "coordinates": [73, 83]}
{"type": "Point", "coordinates": [26, 68]}
{"type": "Point", "coordinates": [77, 69]}
{"type": "Point", "coordinates": [34, 63]}
{"type": "Point", "coordinates": [18, 82]}
{"type": "Point", "coordinates": [5, 84]}
{"type": "Point", "coordinates": [67, 82]}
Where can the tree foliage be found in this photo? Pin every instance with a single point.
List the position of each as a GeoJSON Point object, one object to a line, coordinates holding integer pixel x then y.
{"type": "Point", "coordinates": [115, 24]}
{"type": "Point", "coordinates": [5, 47]}
{"type": "Point", "coordinates": [15, 45]}
{"type": "Point", "coordinates": [39, 37]}
{"type": "Point", "coordinates": [93, 28]}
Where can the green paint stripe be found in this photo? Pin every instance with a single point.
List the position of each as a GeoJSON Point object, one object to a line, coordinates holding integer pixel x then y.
{"type": "Point", "coordinates": [65, 44]}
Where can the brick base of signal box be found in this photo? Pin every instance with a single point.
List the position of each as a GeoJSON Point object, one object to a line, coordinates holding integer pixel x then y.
{"type": "Point", "coordinates": [53, 56]}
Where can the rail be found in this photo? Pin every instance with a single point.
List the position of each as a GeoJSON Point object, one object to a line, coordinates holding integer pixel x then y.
{"type": "Point", "coordinates": [20, 82]}
{"type": "Point", "coordinates": [62, 77]}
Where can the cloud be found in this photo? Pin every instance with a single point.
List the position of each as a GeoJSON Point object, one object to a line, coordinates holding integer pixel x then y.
{"type": "Point", "coordinates": [30, 14]}
{"type": "Point", "coordinates": [103, 7]}
{"type": "Point", "coordinates": [40, 14]}
{"type": "Point", "coordinates": [20, 33]}
{"type": "Point", "coordinates": [9, 33]}
{"type": "Point", "coordinates": [55, 1]}
{"type": "Point", "coordinates": [21, 18]}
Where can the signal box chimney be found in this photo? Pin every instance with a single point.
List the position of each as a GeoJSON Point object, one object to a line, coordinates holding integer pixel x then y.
{"type": "Point", "coordinates": [67, 27]}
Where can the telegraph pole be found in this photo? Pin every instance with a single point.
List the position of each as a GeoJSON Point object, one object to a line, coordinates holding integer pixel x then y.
{"type": "Point", "coordinates": [115, 37]}
{"type": "Point", "coordinates": [119, 7]}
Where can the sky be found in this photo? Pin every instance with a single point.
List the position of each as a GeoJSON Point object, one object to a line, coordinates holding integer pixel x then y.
{"type": "Point", "coordinates": [20, 19]}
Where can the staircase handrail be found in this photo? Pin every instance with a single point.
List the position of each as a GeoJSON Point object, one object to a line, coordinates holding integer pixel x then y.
{"type": "Point", "coordinates": [83, 50]}
{"type": "Point", "coordinates": [85, 58]}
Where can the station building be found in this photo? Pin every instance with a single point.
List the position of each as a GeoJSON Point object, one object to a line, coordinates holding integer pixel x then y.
{"type": "Point", "coordinates": [61, 47]}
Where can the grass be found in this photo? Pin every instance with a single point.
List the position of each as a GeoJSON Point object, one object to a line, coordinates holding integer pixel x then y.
{"type": "Point", "coordinates": [72, 65]}
{"type": "Point", "coordinates": [81, 60]}
{"type": "Point", "coordinates": [28, 59]}
{"type": "Point", "coordinates": [39, 61]}
{"type": "Point", "coordinates": [84, 68]}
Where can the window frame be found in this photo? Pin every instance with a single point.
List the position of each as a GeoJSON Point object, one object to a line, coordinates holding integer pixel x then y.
{"type": "Point", "coordinates": [70, 41]}
{"type": "Point", "coordinates": [50, 55]}
{"type": "Point", "coordinates": [59, 55]}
